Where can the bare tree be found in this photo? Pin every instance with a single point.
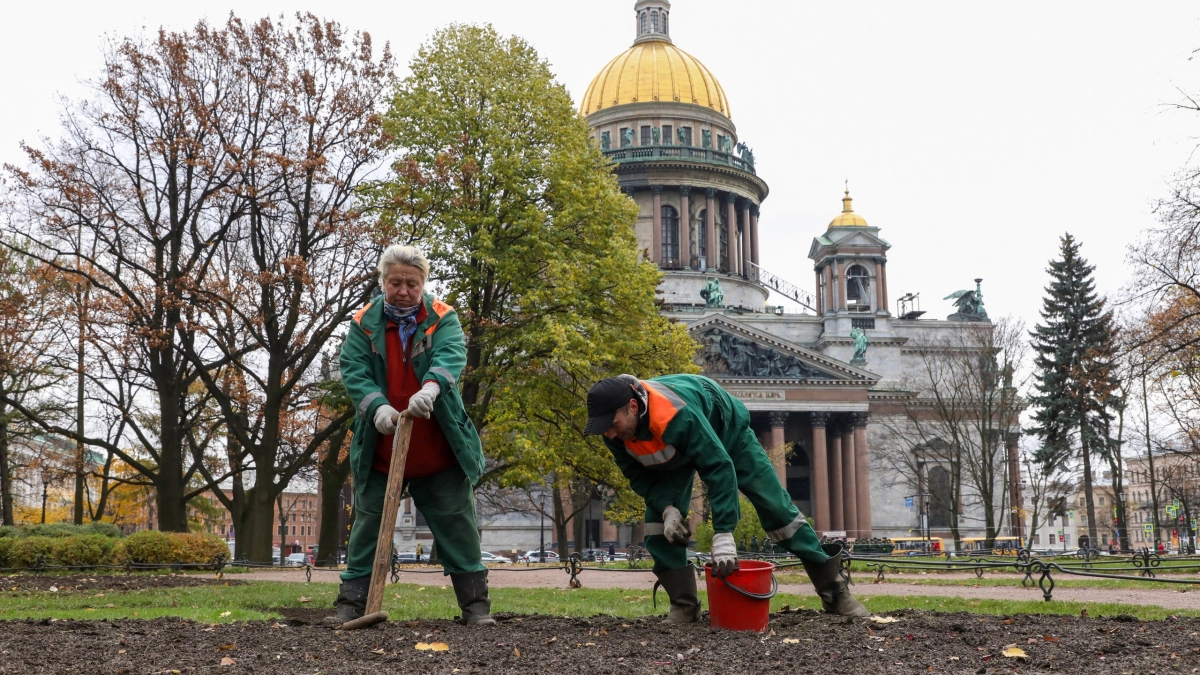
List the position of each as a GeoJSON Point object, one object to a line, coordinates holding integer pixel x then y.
{"type": "Point", "coordinates": [1045, 486]}
{"type": "Point", "coordinates": [961, 420]}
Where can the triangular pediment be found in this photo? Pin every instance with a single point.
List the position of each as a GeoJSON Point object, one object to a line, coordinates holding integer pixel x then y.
{"type": "Point", "coordinates": [733, 351]}
{"type": "Point", "coordinates": [844, 238]}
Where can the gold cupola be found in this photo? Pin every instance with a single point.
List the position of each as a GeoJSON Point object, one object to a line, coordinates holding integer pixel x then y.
{"type": "Point", "coordinates": [848, 218]}
{"type": "Point", "coordinates": [654, 70]}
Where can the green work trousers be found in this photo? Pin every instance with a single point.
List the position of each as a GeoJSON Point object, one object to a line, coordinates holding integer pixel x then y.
{"type": "Point", "coordinates": [447, 501]}
{"type": "Point", "coordinates": [756, 479]}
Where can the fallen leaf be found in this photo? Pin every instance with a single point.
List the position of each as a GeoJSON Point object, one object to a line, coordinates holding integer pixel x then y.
{"type": "Point", "coordinates": [304, 599]}
{"type": "Point", "coordinates": [552, 640]}
{"type": "Point", "coordinates": [54, 589]}
{"type": "Point", "coordinates": [1049, 638]}
{"type": "Point", "coordinates": [1083, 613]}
{"type": "Point", "coordinates": [1008, 622]}
{"type": "Point", "coordinates": [517, 652]}
{"type": "Point", "coordinates": [439, 647]}
{"type": "Point", "coordinates": [227, 661]}
{"type": "Point", "coordinates": [120, 651]}
{"type": "Point", "coordinates": [790, 641]}
{"type": "Point", "coordinates": [412, 624]}
{"type": "Point", "coordinates": [884, 619]}
{"type": "Point", "coordinates": [225, 648]}
{"type": "Point", "coordinates": [1014, 652]}
{"type": "Point", "coordinates": [421, 588]}
{"type": "Point", "coordinates": [381, 650]}
{"type": "Point", "coordinates": [226, 613]}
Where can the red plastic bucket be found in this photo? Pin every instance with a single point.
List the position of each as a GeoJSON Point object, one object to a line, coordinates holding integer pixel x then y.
{"type": "Point", "coordinates": [742, 600]}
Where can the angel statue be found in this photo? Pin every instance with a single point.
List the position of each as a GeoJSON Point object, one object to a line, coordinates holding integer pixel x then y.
{"type": "Point", "coordinates": [969, 304]}
{"type": "Point", "coordinates": [713, 297]}
{"type": "Point", "coordinates": [860, 345]}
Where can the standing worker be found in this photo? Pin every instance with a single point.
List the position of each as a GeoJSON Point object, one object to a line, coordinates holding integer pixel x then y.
{"type": "Point", "coordinates": [664, 431]}
{"type": "Point", "coordinates": [405, 351]}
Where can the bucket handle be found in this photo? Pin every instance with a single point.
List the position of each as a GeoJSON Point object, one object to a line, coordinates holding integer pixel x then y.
{"type": "Point", "coordinates": [755, 596]}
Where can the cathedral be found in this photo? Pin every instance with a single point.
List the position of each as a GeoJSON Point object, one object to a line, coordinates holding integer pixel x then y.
{"type": "Point", "coordinates": [821, 373]}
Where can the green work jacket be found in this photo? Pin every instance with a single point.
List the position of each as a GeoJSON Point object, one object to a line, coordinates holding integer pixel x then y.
{"type": "Point", "coordinates": [438, 351]}
{"type": "Point", "coordinates": [708, 426]}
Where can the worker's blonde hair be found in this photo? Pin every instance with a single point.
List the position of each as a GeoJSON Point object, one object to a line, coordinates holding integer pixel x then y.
{"type": "Point", "coordinates": [397, 254]}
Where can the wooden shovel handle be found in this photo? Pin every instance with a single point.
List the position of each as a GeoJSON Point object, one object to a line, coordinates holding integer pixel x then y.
{"type": "Point", "coordinates": [391, 505]}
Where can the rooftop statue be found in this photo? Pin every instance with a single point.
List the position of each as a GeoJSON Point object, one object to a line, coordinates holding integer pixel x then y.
{"type": "Point", "coordinates": [712, 294]}
{"type": "Point", "coordinates": [860, 345]}
{"type": "Point", "coordinates": [683, 139]}
{"type": "Point", "coordinates": [746, 154]}
{"type": "Point", "coordinates": [706, 139]}
{"type": "Point", "coordinates": [656, 135]}
{"type": "Point", "coordinates": [726, 144]}
{"type": "Point", "coordinates": [627, 138]}
{"type": "Point", "coordinates": [969, 304]}
{"type": "Point", "coordinates": [605, 140]}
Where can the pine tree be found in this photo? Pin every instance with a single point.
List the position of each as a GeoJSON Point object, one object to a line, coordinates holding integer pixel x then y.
{"type": "Point", "coordinates": [1073, 347]}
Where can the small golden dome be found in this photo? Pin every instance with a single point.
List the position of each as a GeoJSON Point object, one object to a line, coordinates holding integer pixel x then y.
{"type": "Point", "coordinates": [651, 71]}
{"type": "Point", "coordinates": [848, 218]}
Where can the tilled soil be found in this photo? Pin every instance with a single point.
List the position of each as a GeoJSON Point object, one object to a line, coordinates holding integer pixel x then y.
{"type": "Point", "coordinates": [800, 642]}
{"type": "Point", "coordinates": [82, 583]}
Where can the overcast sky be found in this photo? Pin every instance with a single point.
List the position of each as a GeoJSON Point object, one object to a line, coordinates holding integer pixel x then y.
{"type": "Point", "coordinates": [973, 134]}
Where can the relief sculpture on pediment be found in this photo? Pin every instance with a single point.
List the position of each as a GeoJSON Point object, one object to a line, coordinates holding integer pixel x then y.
{"type": "Point", "coordinates": [727, 354]}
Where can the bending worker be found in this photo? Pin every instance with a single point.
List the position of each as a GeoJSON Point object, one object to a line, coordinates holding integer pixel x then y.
{"type": "Point", "coordinates": [405, 351]}
{"type": "Point", "coordinates": [662, 432]}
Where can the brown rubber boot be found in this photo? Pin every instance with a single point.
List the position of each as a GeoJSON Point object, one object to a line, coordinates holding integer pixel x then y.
{"type": "Point", "coordinates": [680, 586]}
{"type": "Point", "coordinates": [471, 589]}
{"type": "Point", "coordinates": [831, 587]}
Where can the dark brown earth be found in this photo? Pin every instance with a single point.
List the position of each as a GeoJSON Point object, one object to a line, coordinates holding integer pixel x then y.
{"type": "Point", "coordinates": [801, 642]}
{"type": "Point", "coordinates": [106, 582]}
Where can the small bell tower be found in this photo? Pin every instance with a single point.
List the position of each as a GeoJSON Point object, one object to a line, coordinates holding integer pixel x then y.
{"type": "Point", "coordinates": [653, 20]}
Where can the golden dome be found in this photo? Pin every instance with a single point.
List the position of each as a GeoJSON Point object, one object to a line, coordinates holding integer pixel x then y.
{"type": "Point", "coordinates": [650, 71]}
{"type": "Point", "coordinates": [848, 218]}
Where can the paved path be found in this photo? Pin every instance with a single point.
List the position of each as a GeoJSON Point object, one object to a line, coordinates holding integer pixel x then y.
{"type": "Point", "coordinates": [522, 577]}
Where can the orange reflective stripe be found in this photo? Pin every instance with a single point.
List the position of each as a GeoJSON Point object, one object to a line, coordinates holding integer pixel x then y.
{"type": "Point", "coordinates": [663, 404]}
{"type": "Point", "coordinates": [358, 318]}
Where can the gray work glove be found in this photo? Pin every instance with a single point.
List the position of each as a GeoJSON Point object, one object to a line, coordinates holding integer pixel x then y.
{"type": "Point", "coordinates": [386, 419]}
{"type": "Point", "coordinates": [724, 554]}
{"type": "Point", "coordinates": [420, 404]}
{"type": "Point", "coordinates": [675, 528]}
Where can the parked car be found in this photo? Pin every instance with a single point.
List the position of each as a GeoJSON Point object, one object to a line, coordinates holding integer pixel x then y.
{"type": "Point", "coordinates": [493, 558]}
{"type": "Point", "coordinates": [535, 556]}
{"type": "Point", "coordinates": [594, 555]}
{"type": "Point", "coordinates": [411, 558]}
{"type": "Point", "coordinates": [296, 560]}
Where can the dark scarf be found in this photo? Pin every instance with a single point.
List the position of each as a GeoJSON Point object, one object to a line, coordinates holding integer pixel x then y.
{"type": "Point", "coordinates": [405, 319]}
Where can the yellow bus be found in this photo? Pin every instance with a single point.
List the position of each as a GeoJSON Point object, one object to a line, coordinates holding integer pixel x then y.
{"type": "Point", "coordinates": [1000, 545]}
{"type": "Point", "coordinates": [909, 546]}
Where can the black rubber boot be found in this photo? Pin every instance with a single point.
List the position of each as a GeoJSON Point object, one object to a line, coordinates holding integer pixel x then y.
{"type": "Point", "coordinates": [680, 586]}
{"type": "Point", "coordinates": [351, 601]}
{"type": "Point", "coordinates": [831, 587]}
{"type": "Point", "coordinates": [471, 589]}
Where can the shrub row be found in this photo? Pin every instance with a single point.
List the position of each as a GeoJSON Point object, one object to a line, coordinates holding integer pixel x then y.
{"type": "Point", "coordinates": [60, 530]}
{"type": "Point", "coordinates": [149, 547]}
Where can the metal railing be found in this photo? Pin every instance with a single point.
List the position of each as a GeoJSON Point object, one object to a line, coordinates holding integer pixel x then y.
{"type": "Point", "coordinates": [783, 287]}
{"type": "Point", "coordinates": [654, 153]}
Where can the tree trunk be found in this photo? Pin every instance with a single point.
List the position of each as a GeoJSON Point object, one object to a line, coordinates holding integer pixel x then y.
{"type": "Point", "coordinates": [258, 524]}
{"type": "Point", "coordinates": [560, 523]}
{"type": "Point", "coordinates": [1085, 450]}
{"type": "Point", "coordinates": [6, 505]}
{"type": "Point", "coordinates": [333, 476]}
{"type": "Point", "coordinates": [1150, 460]}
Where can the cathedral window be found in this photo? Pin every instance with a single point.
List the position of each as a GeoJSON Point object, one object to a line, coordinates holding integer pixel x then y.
{"type": "Point", "coordinates": [702, 238]}
{"type": "Point", "coordinates": [666, 134]}
{"type": "Point", "coordinates": [670, 237]}
{"type": "Point", "coordinates": [723, 238]}
{"type": "Point", "coordinates": [857, 284]}
{"type": "Point", "coordinates": [653, 22]}
{"type": "Point", "coordinates": [646, 138]}
{"type": "Point", "coordinates": [664, 21]}
{"type": "Point", "coordinates": [644, 25]}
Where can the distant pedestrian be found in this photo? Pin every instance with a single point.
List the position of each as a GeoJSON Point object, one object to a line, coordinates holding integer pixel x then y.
{"type": "Point", "coordinates": [612, 550]}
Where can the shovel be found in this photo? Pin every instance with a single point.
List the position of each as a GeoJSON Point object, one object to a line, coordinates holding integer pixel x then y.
{"type": "Point", "coordinates": [383, 547]}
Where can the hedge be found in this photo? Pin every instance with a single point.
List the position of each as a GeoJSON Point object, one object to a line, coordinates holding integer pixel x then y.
{"type": "Point", "coordinates": [61, 530]}
{"type": "Point", "coordinates": [147, 547]}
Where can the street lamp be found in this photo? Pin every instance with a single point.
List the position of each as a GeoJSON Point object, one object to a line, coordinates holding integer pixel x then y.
{"type": "Point", "coordinates": [45, 494]}
{"type": "Point", "coordinates": [542, 531]}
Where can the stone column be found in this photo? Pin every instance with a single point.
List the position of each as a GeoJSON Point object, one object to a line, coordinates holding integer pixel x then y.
{"type": "Point", "coordinates": [754, 234]}
{"type": "Point", "coordinates": [656, 236]}
{"type": "Point", "coordinates": [880, 301]}
{"type": "Point", "coordinates": [883, 281]}
{"type": "Point", "coordinates": [778, 425]}
{"type": "Point", "coordinates": [862, 474]}
{"type": "Point", "coordinates": [849, 480]}
{"type": "Point", "coordinates": [731, 231]}
{"type": "Point", "coordinates": [841, 283]}
{"type": "Point", "coordinates": [710, 230]}
{"type": "Point", "coordinates": [817, 292]}
{"type": "Point", "coordinates": [745, 259]}
{"type": "Point", "coordinates": [685, 227]}
{"type": "Point", "coordinates": [827, 294]}
{"type": "Point", "coordinates": [1016, 500]}
{"type": "Point", "coordinates": [837, 504]}
{"type": "Point", "coordinates": [820, 472]}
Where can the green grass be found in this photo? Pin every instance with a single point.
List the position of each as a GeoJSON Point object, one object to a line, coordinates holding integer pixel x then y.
{"type": "Point", "coordinates": [1008, 580]}
{"type": "Point", "coordinates": [406, 601]}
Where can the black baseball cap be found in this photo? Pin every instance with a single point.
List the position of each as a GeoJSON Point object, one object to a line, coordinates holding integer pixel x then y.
{"type": "Point", "coordinates": [604, 399]}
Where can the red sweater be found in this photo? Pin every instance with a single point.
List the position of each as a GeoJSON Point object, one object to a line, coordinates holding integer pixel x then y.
{"type": "Point", "coordinates": [428, 450]}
